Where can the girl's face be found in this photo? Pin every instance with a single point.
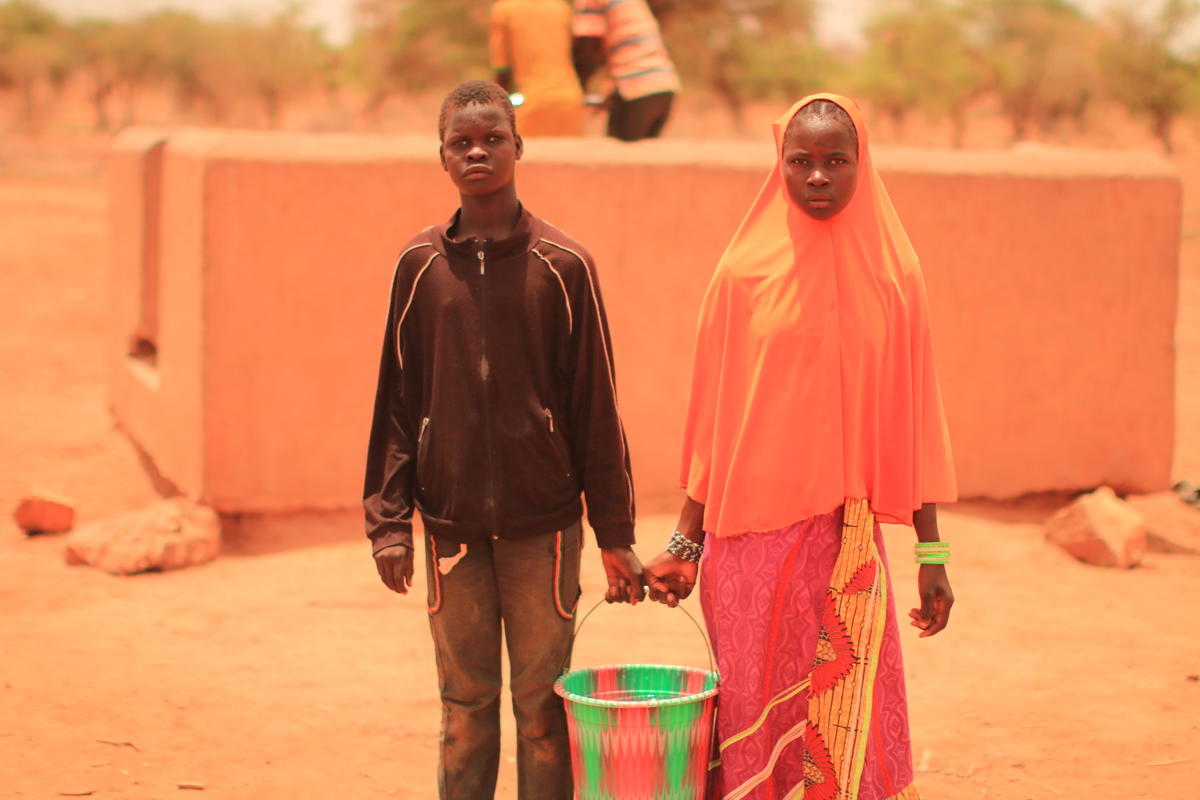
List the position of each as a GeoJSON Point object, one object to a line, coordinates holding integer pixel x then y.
{"type": "Point", "coordinates": [820, 165]}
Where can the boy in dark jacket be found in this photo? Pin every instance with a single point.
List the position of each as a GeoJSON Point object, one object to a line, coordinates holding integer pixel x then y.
{"type": "Point", "coordinates": [496, 407]}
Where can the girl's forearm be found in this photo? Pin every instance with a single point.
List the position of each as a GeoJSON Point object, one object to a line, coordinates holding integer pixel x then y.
{"type": "Point", "coordinates": [925, 521]}
{"type": "Point", "coordinates": [691, 520]}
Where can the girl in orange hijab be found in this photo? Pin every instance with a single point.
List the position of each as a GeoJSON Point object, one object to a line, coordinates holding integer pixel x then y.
{"type": "Point", "coordinates": [814, 414]}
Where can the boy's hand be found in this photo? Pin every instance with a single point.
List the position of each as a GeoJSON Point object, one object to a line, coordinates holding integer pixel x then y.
{"type": "Point", "coordinates": [395, 565]}
{"type": "Point", "coordinates": [670, 578]}
{"type": "Point", "coordinates": [624, 572]}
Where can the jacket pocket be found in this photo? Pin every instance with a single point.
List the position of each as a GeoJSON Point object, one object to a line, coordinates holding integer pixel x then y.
{"type": "Point", "coordinates": [558, 441]}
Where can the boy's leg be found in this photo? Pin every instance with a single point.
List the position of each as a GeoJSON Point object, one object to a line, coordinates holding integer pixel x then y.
{"type": "Point", "coordinates": [465, 620]}
{"type": "Point", "coordinates": [538, 582]}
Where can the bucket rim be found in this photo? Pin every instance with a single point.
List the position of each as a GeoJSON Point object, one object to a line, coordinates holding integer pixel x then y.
{"type": "Point", "coordinates": [572, 697]}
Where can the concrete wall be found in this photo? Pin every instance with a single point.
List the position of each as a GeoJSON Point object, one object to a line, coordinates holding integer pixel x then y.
{"type": "Point", "coordinates": [1052, 278]}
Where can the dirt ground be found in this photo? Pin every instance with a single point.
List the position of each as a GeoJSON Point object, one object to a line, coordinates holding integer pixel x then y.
{"type": "Point", "coordinates": [286, 670]}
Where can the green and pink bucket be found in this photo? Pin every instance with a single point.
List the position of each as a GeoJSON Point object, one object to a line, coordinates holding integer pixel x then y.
{"type": "Point", "coordinates": [640, 731]}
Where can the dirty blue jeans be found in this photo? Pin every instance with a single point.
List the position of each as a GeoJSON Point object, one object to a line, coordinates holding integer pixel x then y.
{"type": "Point", "coordinates": [527, 588]}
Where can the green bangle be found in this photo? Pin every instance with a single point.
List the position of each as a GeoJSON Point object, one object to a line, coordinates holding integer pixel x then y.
{"type": "Point", "coordinates": [937, 553]}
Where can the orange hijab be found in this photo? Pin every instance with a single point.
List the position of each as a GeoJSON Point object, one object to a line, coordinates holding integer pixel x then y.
{"type": "Point", "coordinates": [814, 376]}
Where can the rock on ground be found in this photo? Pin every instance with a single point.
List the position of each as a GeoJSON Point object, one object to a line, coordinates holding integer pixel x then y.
{"type": "Point", "coordinates": [42, 512]}
{"type": "Point", "coordinates": [1172, 526]}
{"type": "Point", "coordinates": [1101, 529]}
{"type": "Point", "coordinates": [172, 534]}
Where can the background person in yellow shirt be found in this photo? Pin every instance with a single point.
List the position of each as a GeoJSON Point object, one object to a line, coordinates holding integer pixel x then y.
{"type": "Point", "coordinates": [530, 43]}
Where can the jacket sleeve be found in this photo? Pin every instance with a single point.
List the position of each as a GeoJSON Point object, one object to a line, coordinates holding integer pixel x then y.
{"type": "Point", "coordinates": [589, 19]}
{"type": "Point", "coordinates": [391, 453]}
{"type": "Point", "coordinates": [598, 446]}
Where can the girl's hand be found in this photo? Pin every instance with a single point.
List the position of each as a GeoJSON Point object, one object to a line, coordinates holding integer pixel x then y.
{"type": "Point", "coordinates": [670, 578]}
{"type": "Point", "coordinates": [936, 599]}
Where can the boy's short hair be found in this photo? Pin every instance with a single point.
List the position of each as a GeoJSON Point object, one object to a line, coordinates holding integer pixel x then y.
{"type": "Point", "coordinates": [475, 92]}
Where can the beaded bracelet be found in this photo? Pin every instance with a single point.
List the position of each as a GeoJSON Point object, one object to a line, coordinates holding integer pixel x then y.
{"type": "Point", "coordinates": [933, 552]}
{"type": "Point", "coordinates": [682, 547]}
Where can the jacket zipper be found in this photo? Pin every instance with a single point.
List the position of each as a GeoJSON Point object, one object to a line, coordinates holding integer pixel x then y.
{"type": "Point", "coordinates": [484, 371]}
{"type": "Point", "coordinates": [421, 434]}
{"type": "Point", "coordinates": [549, 419]}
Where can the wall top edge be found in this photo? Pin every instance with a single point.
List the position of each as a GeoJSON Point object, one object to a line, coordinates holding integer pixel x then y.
{"type": "Point", "coordinates": [1025, 160]}
{"type": "Point", "coordinates": [139, 138]}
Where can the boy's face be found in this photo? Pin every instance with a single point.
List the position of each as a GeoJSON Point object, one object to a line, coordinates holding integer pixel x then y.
{"type": "Point", "coordinates": [820, 165]}
{"type": "Point", "coordinates": [480, 149]}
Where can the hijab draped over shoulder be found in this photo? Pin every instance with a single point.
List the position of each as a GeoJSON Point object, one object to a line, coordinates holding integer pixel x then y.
{"type": "Point", "coordinates": [814, 377]}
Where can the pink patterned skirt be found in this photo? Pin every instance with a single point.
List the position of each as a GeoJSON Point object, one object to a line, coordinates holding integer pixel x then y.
{"type": "Point", "coordinates": [812, 703]}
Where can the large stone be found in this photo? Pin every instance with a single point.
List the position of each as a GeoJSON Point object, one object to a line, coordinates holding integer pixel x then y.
{"type": "Point", "coordinates": [1172, 526]}
{"type": "Point", "coordinates": [43, 512]}
{"type": "Point", "coordinates": [1100, 528]}
{"type": "Point", "coordinates": [171, 534]}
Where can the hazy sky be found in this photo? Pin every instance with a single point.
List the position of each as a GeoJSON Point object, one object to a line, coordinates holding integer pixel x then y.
{"type": "Point", "coordinates": [839, 19]}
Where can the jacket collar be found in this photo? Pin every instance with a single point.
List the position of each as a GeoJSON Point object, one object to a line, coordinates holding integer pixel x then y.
{"type": "Point", "coordinates": [523, 239]}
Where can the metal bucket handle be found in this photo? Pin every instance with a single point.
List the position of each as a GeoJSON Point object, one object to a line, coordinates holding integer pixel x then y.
{"type": "Point", "coordinates": [707, 644]}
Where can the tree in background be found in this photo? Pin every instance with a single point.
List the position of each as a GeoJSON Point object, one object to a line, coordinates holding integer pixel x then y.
{"type": "Point", "coordinates": [920, 55]}
{"type": "Point", "coordinates": [410, 45]}
{"type": "Point", "coordinates": [115, 57]}
{"type": "Point", "coordinates": [1041, 58]}
{"type": "Point", "coordinates": [211, 65]}
{"type": "Point", "coordinates": [1144, 71]}
{"type": "Point", "coordinates": [94, 49]}
{"type": "Point", "coordinates": [182, 48]}
{"type": "Point", "coordinates": [275, 61]}
{"type": "Point", "coordinates": [32, 53]}
{"type": "Point", "coordinates": [139, 64]}
{"type": "Point", "coordinates": [879, 77]}
{"type": "Point", "coordinates": [745, 49]}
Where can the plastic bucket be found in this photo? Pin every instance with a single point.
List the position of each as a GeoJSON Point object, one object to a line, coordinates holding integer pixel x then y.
{"type": "Point", "coordinates": [639, 731]}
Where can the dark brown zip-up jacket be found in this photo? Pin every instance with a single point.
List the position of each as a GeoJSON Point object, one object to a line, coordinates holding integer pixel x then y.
{"type": "Point", "coordinates": [497, 404]}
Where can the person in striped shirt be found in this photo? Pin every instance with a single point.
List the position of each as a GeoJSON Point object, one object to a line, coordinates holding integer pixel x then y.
{"type": "Point", "coordinates": [624, 36]}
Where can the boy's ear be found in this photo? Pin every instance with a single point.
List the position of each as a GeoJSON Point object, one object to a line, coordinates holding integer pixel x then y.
{"type": "Point", "coordinates": [442, 157]}
{"type": "Point", "coordinates": [520, 143]}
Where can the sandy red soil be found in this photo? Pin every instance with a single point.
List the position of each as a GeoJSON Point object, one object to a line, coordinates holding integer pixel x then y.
{"type": "Point", "coordinates": [286, 670]}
